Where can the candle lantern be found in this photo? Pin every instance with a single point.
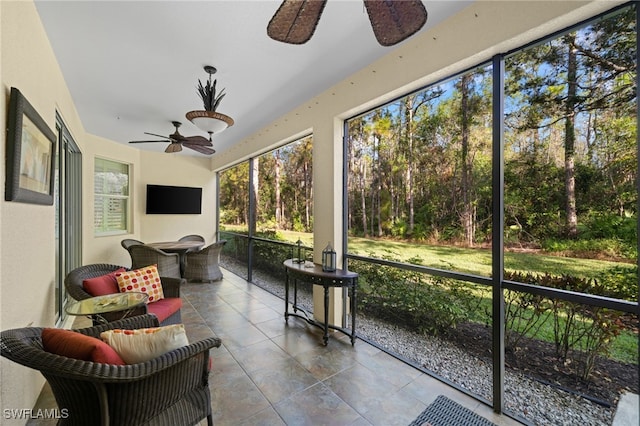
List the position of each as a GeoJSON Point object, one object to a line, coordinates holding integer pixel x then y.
{"type": "Point", "coordinates": [300, 254]}
{"type": "Point", "coordinates": [328, 259]}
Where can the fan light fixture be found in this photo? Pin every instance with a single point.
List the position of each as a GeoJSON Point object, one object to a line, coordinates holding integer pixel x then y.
{"type": "Point", "coordinates": [208, 120]}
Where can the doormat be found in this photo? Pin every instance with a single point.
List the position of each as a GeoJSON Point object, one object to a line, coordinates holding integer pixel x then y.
{"type": "Point", "coordinates": [445, 412]}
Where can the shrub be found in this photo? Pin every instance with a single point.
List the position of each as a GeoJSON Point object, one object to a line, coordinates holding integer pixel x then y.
{"type": "Point", "coordinates": [524, 312]}
{"type": "Point", "coordinates": [412, 299]}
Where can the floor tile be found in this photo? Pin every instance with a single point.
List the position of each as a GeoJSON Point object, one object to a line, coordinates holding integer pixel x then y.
{"type": "Point", "coordinates": [269, 371]}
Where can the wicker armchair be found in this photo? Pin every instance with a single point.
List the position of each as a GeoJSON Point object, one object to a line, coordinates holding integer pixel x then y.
{"type": "Point", "coordinates": [192, 237]}
{"type": "Point", "coordinates": [204, 265]}
{"type": "Point", "coordinates": [170, 288]}
{"type": "Point", "coordinates": [143, 255]}
{"type": "Point", "coordinates": [168, 390]}
{"type": "Point", "coordinates": [128, 242]}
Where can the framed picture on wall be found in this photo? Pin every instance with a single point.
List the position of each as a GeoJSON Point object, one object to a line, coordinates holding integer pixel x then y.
{"type": "Point", "coordinates": [31, 154]}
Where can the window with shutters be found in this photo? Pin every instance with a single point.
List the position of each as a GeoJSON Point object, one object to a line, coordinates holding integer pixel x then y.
{"type": "Point", "coordinates": [111, 204]}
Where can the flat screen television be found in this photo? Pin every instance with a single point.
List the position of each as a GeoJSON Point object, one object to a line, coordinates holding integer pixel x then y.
{"type": "Point", "coordinates": [163, 199]}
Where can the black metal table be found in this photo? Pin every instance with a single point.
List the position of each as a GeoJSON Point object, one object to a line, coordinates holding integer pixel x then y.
{"type": "Point", "coordinates": [313, 274]}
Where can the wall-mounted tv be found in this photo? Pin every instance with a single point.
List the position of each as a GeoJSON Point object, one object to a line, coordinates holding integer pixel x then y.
{"type": "Point", "coordinates": [163, 199]}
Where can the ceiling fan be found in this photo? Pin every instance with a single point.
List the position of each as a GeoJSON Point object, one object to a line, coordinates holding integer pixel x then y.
{"type": "Point", "coordinates": [392, 21]}
{"type": "Point", "coordinates": [177, 141]}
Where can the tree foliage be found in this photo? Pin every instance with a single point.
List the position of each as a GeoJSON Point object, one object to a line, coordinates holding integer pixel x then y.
{"type": "Point", "coordinates": [420, 167]}
{"type": "Point", "coordinates": [283, 189]}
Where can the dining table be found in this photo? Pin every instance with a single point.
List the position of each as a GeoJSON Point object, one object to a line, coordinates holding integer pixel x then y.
{"type": "Point", "coordinates": [177, 246]}
{"type": "Point", "coordinates": [180, 247]}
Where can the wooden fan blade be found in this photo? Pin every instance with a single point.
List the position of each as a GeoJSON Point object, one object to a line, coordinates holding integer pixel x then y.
{"type": "Point", "coordinates": [174, 147]}
{"type": "Point", "coordinates": [160, 136]}
{"type": "Point", "coordinates": [165, 141]}
{"type": "Point", "coordinates": [394, 21]}
{"type": "Point", "coordinates": [197, 140]}
{"type": "Point", "coordinates": [295, 20]}
{"type": "Point", "coordinates": [200, 148]}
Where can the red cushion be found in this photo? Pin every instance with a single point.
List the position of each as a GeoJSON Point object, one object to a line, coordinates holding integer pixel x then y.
{"type": "Point", "coordinates": [164, 308]}
{"type": "Point", "coordinates": [104, 284]}
{"type": "Point", "coordinates": [78, 346]}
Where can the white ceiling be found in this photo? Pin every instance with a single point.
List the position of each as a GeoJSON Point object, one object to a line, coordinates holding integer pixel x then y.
{"type": "Point", "coordinates": [132, 66]}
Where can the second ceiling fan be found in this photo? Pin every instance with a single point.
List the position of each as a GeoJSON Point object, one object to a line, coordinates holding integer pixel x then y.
{"type": "Point", "coordinates": [177, 141]}
{"type": "Point", "coordinates": [392, 21]}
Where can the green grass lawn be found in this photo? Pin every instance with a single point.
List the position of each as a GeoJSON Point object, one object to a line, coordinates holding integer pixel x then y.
{"type": "Point", "coordinates": [470, 260]}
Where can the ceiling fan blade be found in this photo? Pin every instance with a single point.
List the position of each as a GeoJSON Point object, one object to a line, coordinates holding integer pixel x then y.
{"type": "Point", "coordinates": [295, 20]}
{"type": "Point", "coordinates": [165, 141]}
{"type": "Point", "coordinates": [197, 140]}
{"type": "Point", "coordinates": [160, 136]}
{"type": "Point", "coordinates": [394, 21]}
{"type": "Point", "coordinates": [200, 148]}
{"type": "Point", "coordinates": [174, 147]}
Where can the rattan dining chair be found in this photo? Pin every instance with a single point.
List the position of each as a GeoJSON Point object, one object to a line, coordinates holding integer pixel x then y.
{"type": "Point", "coordinates": [168, 390]}
{"type": "Point", "coordinates": [128, 242]}
{"type": "Point", "coordinates": [204, 265]}
{"type": "Point", "coordinates": [192, 237]}
{"type": "Point", "coordinates": [143, 255]}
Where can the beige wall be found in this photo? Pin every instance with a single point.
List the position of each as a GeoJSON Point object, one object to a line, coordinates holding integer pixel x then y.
{"type": "Point", "coordinates": [27, 244]}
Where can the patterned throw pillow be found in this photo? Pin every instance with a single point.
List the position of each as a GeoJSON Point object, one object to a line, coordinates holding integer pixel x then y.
{"type": "Point", "coordinates": [143, 344]}
{"type": "Point", "coordinates": [143, 280]}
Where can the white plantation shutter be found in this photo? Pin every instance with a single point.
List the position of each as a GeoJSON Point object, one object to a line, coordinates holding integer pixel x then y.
{"type": "Point", "coordinates": [111, 204]}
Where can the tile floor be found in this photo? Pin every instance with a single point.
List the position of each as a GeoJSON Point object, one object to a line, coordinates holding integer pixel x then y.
{"type": "Point", "coordinates": [270, 372]}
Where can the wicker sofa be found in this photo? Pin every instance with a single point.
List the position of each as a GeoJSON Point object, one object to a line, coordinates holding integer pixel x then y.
{"type": "Point", "coordinates": [168, 390]}
{"type": "Point", "coordinates": [167, 310]}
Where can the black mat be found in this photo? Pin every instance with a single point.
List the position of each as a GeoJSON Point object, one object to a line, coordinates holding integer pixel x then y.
{"type": "Point", "coordinates": [445, 412]}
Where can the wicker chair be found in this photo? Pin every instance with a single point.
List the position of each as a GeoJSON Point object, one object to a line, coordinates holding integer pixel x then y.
{"type": "Point", "coordinates": [128, 242]}
{"type": "Point", "coordinates": [143, 255]}
{"type": "Point", "coordinates": [73, 284]}
{"type": "Point", "coordinates": [168, 390]}
{"type": "Point", "coordinates": [204, 265]}
{"type": "Point", "coordinates": [192, 237]}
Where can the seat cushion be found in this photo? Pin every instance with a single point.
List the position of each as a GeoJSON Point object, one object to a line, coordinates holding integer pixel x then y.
{"type": "Point", "coordinates": [164, 308]}
{"type": "Point", "coordinates": [144, 344]}
{"type": "Point", "coordinates": [79, 346]}
{"type": "Point", "coordinates": [104, 284]}
{"type": "Point", "coordinates": [143, 280]}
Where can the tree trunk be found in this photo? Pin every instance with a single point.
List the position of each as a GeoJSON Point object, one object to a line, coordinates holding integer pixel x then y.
{"type": "Point", "coordinates": [308, 190]}
{"type": "Point", "coordinates": [467, 207]}
{"type": "Point", "coordinates": [254, 189]}
{"type": "Point", "coordinates": [409, 174]}
{"type": "Point", "coordinates": [570, 138]}
{"type": "Point", "coordinates": [278, 202]}
{"type": "Point", "coordinates": [363, 198]}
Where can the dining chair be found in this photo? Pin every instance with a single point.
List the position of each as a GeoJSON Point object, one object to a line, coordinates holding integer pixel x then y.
{"type": "Point", "coordinates": [192, 237]}
{"type": "Point", "coordinates": [168, 263]}
{"type": "Point", "coordinates": [128, 242]}
{"type": "Point", "coordinates": [204, 265]}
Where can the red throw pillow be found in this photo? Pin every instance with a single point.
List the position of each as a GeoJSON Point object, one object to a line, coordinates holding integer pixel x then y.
{"type": "Point", "coordinates": [78, 346]}
{"type": "Point", "coordinates": [104, 284]}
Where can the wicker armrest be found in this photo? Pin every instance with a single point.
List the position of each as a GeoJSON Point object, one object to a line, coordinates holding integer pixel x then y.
{"type": "Point", "coordinates": [107, 373]}
{"type": "Point", "coordinates": [33, 355]}
{"type": "Point", "coordinates": [171, 286]}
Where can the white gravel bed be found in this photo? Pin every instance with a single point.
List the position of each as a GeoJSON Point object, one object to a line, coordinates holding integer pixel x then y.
{"type": "Point", "coordinates": [537, 403]}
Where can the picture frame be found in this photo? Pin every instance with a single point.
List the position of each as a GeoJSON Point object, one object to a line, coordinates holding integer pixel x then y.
{"type": "Point", "coordinates": [31, 154]}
